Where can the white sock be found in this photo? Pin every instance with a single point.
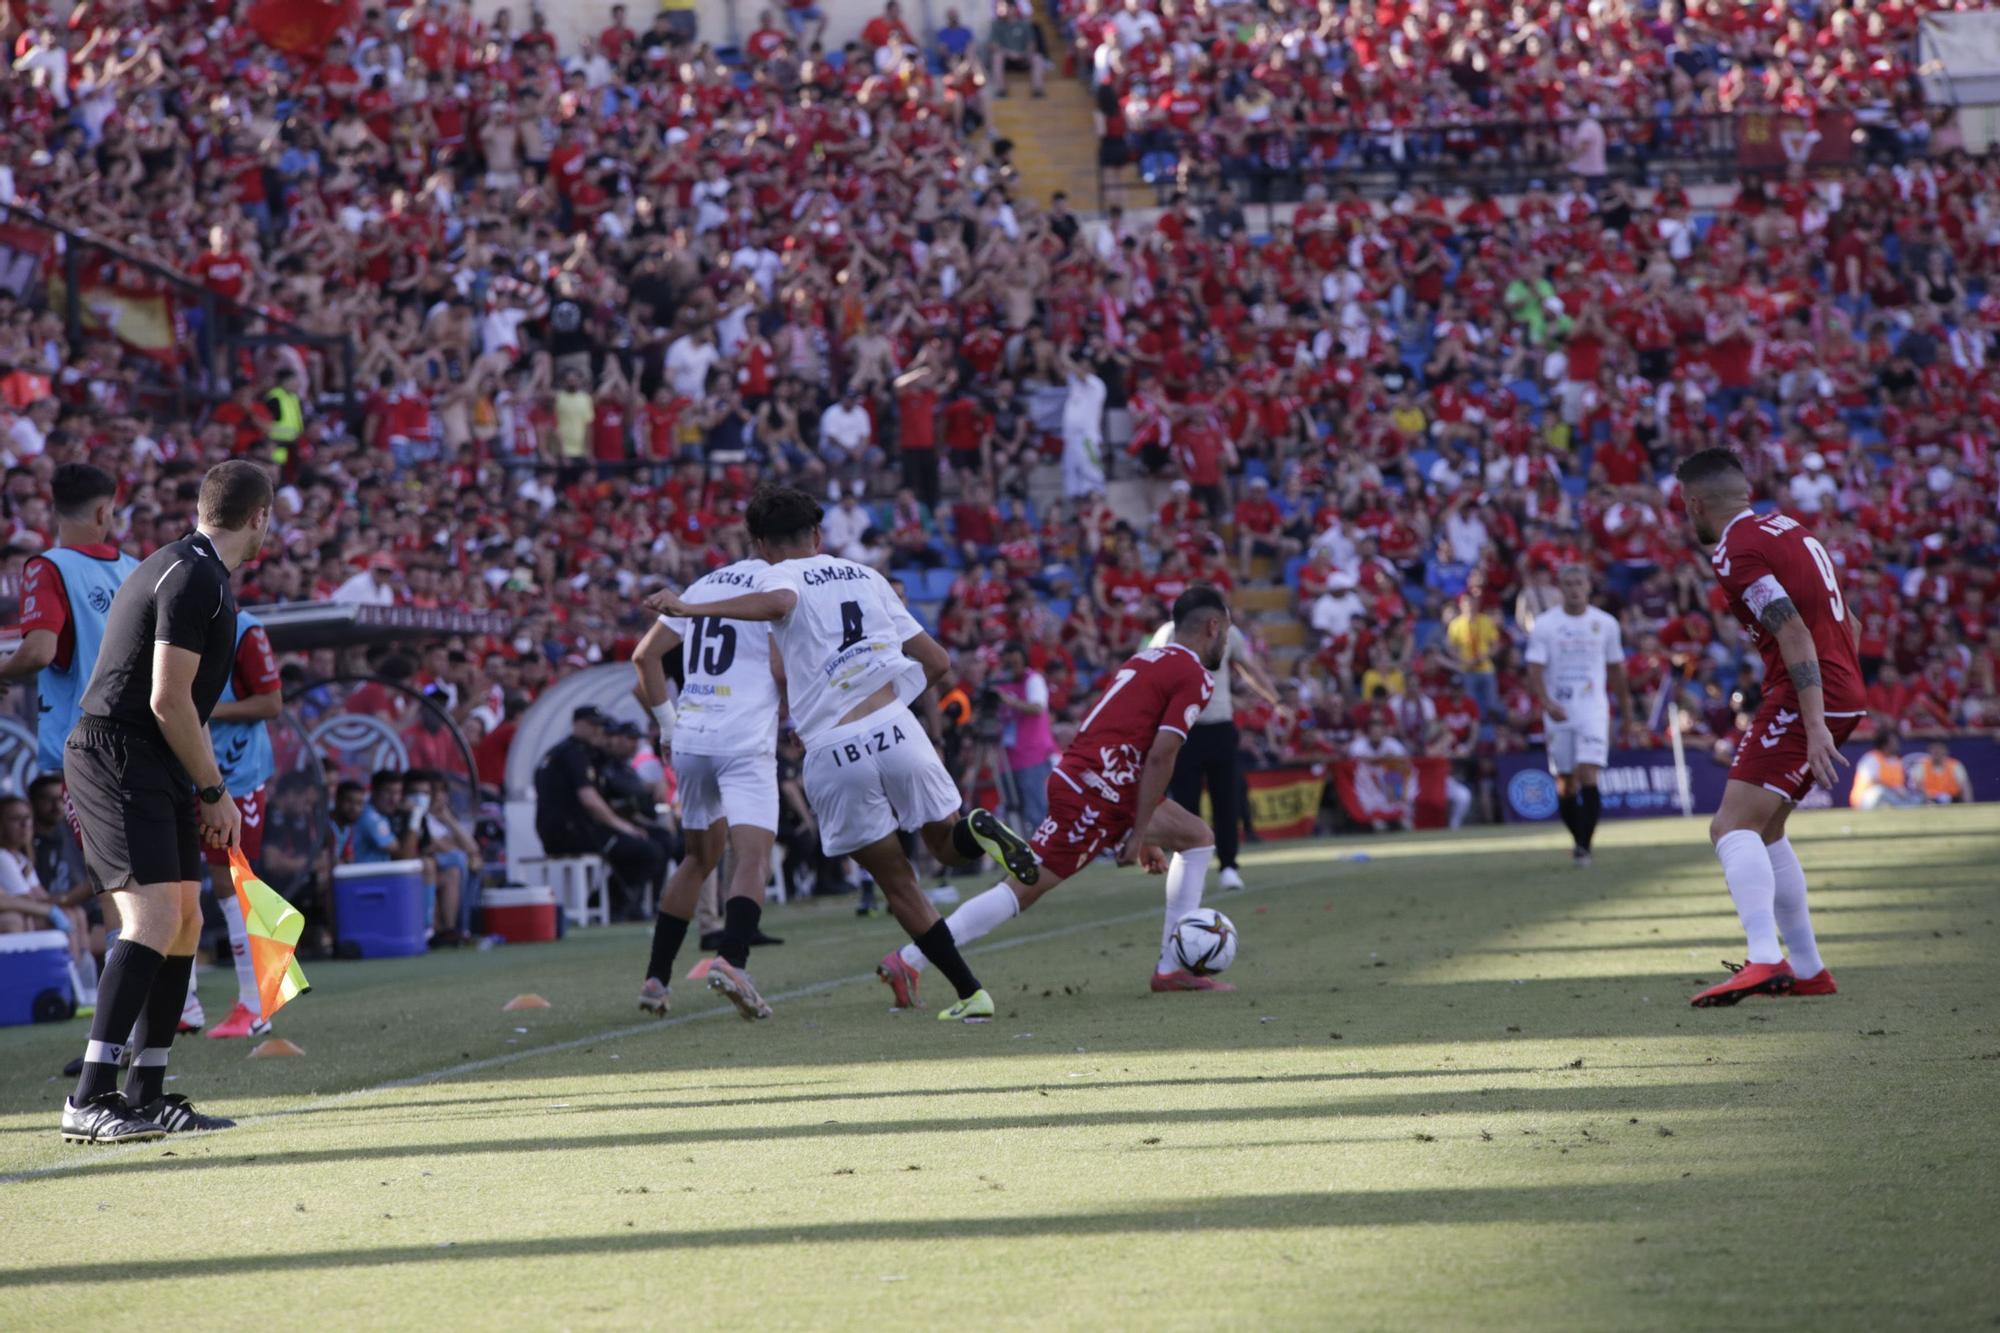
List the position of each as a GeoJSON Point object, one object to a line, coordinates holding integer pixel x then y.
{"type": "Point", "coordinates": [239, 950]}
{"type": "Point", "coordinates": [1185, 875]}
{"type": "Point", "coordinates": [1789, 905]}
{"type": "Point", "coordinates": [1753, 887]}
{"type": "Point", "coordinates": [975, 917]}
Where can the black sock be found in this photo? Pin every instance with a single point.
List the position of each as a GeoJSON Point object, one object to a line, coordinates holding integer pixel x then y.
{"type": "Point", "coordinates": [121, 998]}
{"type": "Point", "coordinates": [1586, 819]}
{"type": "Point", "coordinates": [154, 1036]}
{"type": "Point", "coordinates": [668, 932]}
{"type": "Point", "coordinates": [739, 926]}
{"type": "Point", "coordinates": [964, 843]}
{"type": "Point", "coordinates": [937, 945]}
{"type": "Point", "coordinates": [1572, 816]}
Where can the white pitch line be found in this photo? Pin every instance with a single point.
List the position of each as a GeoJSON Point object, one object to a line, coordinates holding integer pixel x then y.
{"type": "Point", "coordinates": [84, 1163]}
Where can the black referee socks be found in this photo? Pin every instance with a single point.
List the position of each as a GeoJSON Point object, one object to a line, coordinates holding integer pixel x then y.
{"type": "Point", "coordinates": [155, 1037]}
{"type": "Point", "coordinates": [668, 932]}
{"type": "Point", "coordinates": [740, 918]}
{"type": "Point", "coordinates": [122, 992]}
{"type": "Point", "coordinates": [938, 945]}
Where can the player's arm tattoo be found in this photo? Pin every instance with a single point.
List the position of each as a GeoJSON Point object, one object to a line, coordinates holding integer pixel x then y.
{"type": "Point", "coordinates": [1804, 674]}
{"type": "Point", "coordinates": [1776, 613]}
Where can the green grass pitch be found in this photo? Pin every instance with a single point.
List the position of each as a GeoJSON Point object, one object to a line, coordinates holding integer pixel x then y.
{"type": "Point", "coordinates": [1461, 1087]}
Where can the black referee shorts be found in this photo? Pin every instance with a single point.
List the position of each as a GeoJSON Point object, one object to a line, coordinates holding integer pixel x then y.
{"type": "Point", "coordinates": [135, 804]}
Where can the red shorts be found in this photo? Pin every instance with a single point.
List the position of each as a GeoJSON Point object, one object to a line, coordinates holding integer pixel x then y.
{"type": "Point", "coordinates": [1772, 754]}
{"type": "Point", "coordinates": [1079, 826]}
{"type": "Point", "coordinates": [251, 807]}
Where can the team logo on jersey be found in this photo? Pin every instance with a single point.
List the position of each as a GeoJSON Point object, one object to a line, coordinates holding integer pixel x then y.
{"type": "Point", "coordinates": [1193, 712]}
{"type": "Point", "coordinates": [100, 600]}
{"type": "Point", "coordinates": [1532, 793]}
{"type": "Point", "coordinates": [1119, 764]}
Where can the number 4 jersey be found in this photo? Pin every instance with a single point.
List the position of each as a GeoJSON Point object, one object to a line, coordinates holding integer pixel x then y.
{"type": "Point", "coordinates": [729, 700]}
{"type": "Point", "coordinates": [1761, 559]}
{"type": "Point", "coordinates": [842, 642]}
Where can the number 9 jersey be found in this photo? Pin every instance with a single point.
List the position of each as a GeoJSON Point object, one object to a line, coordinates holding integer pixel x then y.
{"type": "Point", "coordinates": [728, 699]}
{"type": "Point", "coordinates": [1760, 559]}
{"type": "Point", "coordinates": [842, 642]}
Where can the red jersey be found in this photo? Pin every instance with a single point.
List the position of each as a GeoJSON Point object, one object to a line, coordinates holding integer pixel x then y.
{"type": "Point", "coordinates": [1761, 559]}
{"type": "Point", "coordinates": [1160, 689]}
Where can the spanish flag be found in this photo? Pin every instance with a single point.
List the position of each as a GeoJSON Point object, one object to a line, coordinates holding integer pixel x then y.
{"type": "Point", "coordinates": [274, 927]}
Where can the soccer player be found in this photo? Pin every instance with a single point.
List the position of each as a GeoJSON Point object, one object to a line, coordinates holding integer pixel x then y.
{"type": "Point", "coordinates": [1574, 653]}
{"type": "Point", "coordinates": [239, 728]}
{"type": "Point", "coordinates": [1783, 590]}
{"type": "Point", "coordinates": [855, 659]}
{"type": "Point", "coordinates": [724, 739]}
{"type": "Point", "coordinates": [148, 793]}
{"type": "Point", "coordinates": [1109, 790]}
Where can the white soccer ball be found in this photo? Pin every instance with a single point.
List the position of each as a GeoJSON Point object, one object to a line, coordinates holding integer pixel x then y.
{"type": "Point", "coordinates": [1205, 941]}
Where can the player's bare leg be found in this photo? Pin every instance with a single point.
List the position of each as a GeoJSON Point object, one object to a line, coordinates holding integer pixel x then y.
{"type": "Point", "coordinates": [742, 912]}
{"type": "Point", "coordinates": [1809, 972]}
{"type": "Point", "coordinates": [1738, 834]}
{"type": "Point", "coordinates": [677, 906]}
{"type": "Point", "coordinates": [884, 859]}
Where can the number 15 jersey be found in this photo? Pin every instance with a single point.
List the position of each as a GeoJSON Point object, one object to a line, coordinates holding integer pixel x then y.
{"type": "Point", "coordinates": [842, 642]}
{"type": "Point", "coordinates": [729, 701]}
{"type": "Point", "coordinates": [1761, 559]}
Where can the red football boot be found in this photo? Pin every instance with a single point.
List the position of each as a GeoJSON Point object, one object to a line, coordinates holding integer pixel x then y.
{"type": "Point", "coordinates": [900, 978]}
{"type": "Point", "coordinates": [1819, 983]}
{"type": "Point", "coordinates": [1747, 979]}
{"type": "Point", "coordinates": [1182, 979]}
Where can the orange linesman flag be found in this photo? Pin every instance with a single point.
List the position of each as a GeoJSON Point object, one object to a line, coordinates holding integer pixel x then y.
{"type": "Point", "coordinates": [274, 927]}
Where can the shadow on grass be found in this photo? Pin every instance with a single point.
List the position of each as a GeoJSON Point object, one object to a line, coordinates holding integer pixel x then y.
{"type": "Point", "coordinates": [1250, 1212]}
{"type": "Point", "coordinates": [1559, 1100]}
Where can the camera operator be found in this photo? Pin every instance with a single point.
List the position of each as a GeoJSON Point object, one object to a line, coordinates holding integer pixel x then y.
{"type": "Point", "coordinates": [1022, 695]}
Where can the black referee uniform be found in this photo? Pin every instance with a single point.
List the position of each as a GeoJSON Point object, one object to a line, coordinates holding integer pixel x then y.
{"type": "Point", "coordinates": [135, 803]}
{"type": "Point", "coordinates": [132, 796]}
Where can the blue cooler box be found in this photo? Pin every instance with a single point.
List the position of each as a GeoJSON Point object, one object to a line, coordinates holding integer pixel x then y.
{"type": "Point", "coordinates": [34, 978]}
{"type": "Point", "coordinates": [381, 909]}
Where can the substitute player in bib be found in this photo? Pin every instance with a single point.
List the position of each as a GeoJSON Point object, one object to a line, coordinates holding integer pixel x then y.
{"type": "Point", "coordinates": [1576, 664]}
{"type": "Point", "coordinates": [724, 739]}
{"type": "Point", "coordinates": [1783, 590]}
{"type": "Point", "coordinates": [855, 658]}
{"type": "Point", "coordinates": [1109, 790]}
{"type": "Point", "coordinates": [240, 729]}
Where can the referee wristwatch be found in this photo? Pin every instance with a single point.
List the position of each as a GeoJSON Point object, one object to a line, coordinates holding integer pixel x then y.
{"type": "Point", "coordinates": [210, 795]}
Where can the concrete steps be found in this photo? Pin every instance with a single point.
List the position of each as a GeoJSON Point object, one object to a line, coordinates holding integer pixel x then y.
{"type": "Point", "coordinates": [1054, 137]}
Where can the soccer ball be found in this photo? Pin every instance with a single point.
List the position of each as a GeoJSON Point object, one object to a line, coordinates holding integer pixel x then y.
{"type": "Point", "coordinates": [1205, 941]}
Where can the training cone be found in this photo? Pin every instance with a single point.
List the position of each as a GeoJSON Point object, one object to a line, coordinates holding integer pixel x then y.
{"type": "Point", "coordinates": [700, 970]}
{"type": "Point", "coordinates": [276, 1046]}
{"type": "Point", "coordinates": [524, 1002]}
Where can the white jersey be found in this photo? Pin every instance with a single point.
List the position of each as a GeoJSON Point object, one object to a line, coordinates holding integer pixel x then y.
{"type": "Point", "coordinates": [842, 642]}
{"type": "Point", "coordinates": [729, 702]}
{"type": "Point", "coordinates": [1573, 652]}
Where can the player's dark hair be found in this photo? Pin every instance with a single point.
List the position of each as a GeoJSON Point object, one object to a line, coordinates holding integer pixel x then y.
{"type": "Point", "coordinates": [232, 493]}
{"type": "Point", "coordinates": [347, 788]}
{"type": "Point", "coordinates": [1708, 465]}
{"type": "Point", "coordinates": [45, 780]}
{"type": "Point", "coordinates": [1199, 598]}
{"type": "Point", "coordinates": [384, 776]}
{"type": "Point", "coordinates": [782, 513]}
{"type": "Point", "coordinates": [77, 486]}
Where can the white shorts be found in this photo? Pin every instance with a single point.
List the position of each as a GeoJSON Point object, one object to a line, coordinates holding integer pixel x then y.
{"type": "Point", "coordinates": [1578, 741]}
{"type": "Point", "coordinates": [870, 778]}
{"type": "Point", "coordinates": [733, 788]}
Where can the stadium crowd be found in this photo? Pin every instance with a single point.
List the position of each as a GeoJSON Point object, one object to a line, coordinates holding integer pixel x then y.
{"type": "Point", "coordinates": [598, 294]}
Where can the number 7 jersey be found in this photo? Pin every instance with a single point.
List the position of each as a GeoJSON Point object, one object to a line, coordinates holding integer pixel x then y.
{"type": "Point", "coordinates": [729, 700]}
{"type": "Point", "coordinates": [1762, 558]}
{"type": "Point", "coordinates": [842, 642]}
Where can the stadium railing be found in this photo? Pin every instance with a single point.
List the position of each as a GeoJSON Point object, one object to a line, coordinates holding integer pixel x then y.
{"type": "Point", "coordinates": [1502, 156]}
{"type": "Point", "coordinates": [184, 339]}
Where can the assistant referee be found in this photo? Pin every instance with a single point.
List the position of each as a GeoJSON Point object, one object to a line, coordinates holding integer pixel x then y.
{"type": "Point", "coordinates": [148, 793]}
